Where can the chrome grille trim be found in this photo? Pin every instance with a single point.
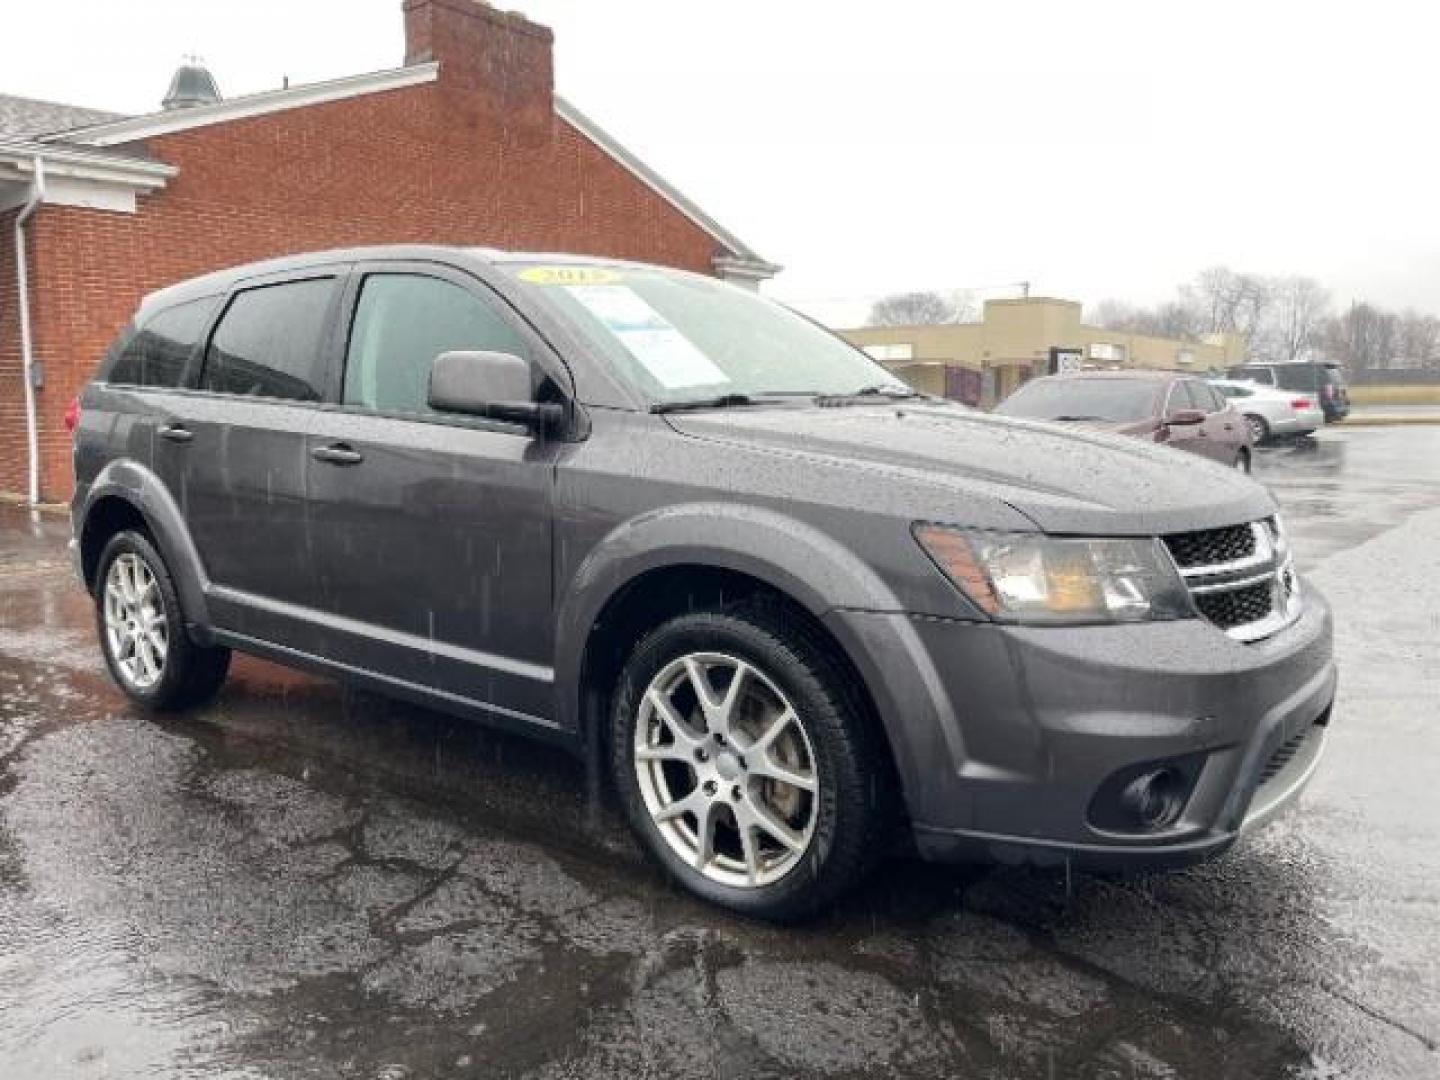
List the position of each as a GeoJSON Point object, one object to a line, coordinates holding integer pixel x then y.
{"type": "Point", "coordinates": [1269, 561]}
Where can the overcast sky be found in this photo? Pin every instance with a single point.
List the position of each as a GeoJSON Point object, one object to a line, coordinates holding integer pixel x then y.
{"type": "Point", "coordinates": [1094, 149]}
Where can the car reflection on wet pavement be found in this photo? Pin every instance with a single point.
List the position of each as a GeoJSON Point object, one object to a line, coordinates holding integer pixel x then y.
{"type": "Point", "coordinates": [306, 881]}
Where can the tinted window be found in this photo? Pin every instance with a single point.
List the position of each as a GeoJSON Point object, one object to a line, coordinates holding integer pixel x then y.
{"type": "Point", "coordinates": [269, 342]}
{"type": "Point", "coordinates": [1113, 400]}
{"type": "Point", "coordinates": [156, 353]}
{"type": "Point", "coordinates": [402, 323]}
{"type": "Point", "coordinates": [1256, 374]}
{"type": "Point", "coordinates": [1235, 391]}
{"type": "Point", "coordinates": [1296, 376]}
{"type": "Point", "coordinates": [1205, 397]}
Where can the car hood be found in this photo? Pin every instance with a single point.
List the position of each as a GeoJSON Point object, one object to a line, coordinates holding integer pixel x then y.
{"type": "Point", "coordinates": [1064, 478]}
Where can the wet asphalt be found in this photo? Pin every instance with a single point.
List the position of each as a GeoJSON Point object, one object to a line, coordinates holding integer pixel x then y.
{"type": "Point", "coordinates": [306, 881]}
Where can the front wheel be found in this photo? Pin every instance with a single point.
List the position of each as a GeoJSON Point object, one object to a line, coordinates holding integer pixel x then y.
{"type": "Point", "coordinates": [142, 631]}
{"type": "Point", "coordinates": [745, 763]}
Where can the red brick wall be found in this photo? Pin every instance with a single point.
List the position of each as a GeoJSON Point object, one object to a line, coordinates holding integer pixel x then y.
{"type": "Point", "coordinates": [431, 163]}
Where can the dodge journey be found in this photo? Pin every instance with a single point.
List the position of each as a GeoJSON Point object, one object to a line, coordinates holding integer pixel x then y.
{"type": "Point", "coordinates": [798, 610]}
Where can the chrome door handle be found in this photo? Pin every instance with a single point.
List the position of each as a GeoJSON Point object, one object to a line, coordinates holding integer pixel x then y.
{"type": "Point", "coordinates": [175, 433]}
{"type": "Point", "coordinates": [337, 454]}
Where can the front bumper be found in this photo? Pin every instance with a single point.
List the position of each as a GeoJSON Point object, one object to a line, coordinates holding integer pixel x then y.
{"type": "Point", "coordinates": [1004, 735]}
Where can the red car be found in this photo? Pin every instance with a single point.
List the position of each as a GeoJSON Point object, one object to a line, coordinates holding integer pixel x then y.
{"type": "Point", "coordinates": [1161, 406]}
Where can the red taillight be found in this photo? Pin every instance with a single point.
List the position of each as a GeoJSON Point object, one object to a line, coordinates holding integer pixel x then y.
{"type": "Point", "coordinates": [1301, 403]}
{"type": "Point", "coordinates": [72, 415]}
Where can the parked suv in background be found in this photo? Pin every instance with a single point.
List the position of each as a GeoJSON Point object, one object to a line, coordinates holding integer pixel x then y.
{"type": "Point", "coordinates": [663, 521]}
{"type": "Point", "coordinates": [1323, 381]}
{"type": "Point", "coordinates": [1157, 406]}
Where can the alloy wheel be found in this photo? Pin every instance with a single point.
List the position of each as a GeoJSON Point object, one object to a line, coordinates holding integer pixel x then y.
{"type": "Point", "coordinates": [726, 769]}
{"type": "Point", "coordinates": [137, 632]}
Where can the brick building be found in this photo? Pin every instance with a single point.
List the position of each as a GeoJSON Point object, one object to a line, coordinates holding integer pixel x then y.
{"type": "Point", "coordinates": [467, 143]}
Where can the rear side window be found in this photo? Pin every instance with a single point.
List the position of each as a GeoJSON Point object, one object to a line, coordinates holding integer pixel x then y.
{"type": "Point", "coordinates": [270, 342]}
{"type": "Point", "coordinates": [157, 352]}
{"type": "Point", "coordinates": [1296, 377]}
{"type": "Point", "coordinates": [402, 323]}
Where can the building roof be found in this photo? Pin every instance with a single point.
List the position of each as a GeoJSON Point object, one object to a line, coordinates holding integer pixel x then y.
{"type": "Point", "coordinates": [21, 117]}
{"type": "Point", "coordinates": [96, 130]}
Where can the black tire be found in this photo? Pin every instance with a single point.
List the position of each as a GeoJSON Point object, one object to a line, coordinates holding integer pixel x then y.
{"type": "Point", "coordinates": [190, 674]}
{"type": "Point", "coordinates": [1259, 428]}
{"type": "Point", "coordinates": [854, 807]}
{"type": "Point", "coordinates": [1243, 461]}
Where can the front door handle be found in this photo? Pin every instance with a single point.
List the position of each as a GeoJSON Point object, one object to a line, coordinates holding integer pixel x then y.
{"type": "Point", "coordinates": [175, 433]}
{"type": "Point", "coordinates": [338, 454]}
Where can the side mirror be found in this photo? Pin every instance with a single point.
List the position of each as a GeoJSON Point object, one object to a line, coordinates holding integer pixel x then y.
{"type": "Point", "coordinates": [1185, 417]}
{"type": "Point", "coordinates": [489, 384]}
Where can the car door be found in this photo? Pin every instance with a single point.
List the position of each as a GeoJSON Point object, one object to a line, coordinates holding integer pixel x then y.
{"type": "Point", "coordinates": [1224, 428]}
{"type": "Point", "coordinates": [432, 531]}
{"type": "Point", "coordinates": [234, 449]}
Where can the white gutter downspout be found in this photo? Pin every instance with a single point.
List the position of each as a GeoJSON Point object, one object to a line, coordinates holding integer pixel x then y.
{"type": "Point", "coordinates": [27, 350]}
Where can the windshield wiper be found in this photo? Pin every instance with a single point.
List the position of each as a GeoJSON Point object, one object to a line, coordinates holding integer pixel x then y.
{"type": "Point", "coordinates": [721, 401]}
{"type": "Point", "coordinates": [1103, 419]}
{"type": "Point", "coordinates": [879, 390]}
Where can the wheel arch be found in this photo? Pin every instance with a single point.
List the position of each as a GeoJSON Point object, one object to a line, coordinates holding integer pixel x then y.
{"type": "Point", "coordinates": [127, 495]}
{"type": "Point", "coordinates": [685, 558]}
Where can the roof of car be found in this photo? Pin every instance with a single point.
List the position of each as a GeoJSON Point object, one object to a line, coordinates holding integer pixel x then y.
{"type": "Point", "coordinates": [1136, 373]}
{"type": "Point", "coordinates": [219, 281]}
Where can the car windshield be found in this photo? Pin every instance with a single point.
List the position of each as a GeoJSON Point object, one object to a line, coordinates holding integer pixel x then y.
{"type": "Point", "coordinates": [680, 337]}
{"type": "Point", "coordinates": [1111, 400]}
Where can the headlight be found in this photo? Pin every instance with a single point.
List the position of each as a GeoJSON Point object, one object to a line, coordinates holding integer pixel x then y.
{"type": "Point", "coordinates": [1031, 578]}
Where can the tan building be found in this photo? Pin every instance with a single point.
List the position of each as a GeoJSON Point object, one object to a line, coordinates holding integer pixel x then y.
{"type": "Point", "coordinates": [981, 362]}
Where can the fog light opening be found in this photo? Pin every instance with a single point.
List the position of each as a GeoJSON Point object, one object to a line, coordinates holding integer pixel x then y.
{"type": "Point", "coordinates": [1155, 798]}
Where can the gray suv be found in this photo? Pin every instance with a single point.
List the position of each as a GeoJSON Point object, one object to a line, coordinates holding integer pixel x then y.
{"type": "Point", "coordinates": [799, 610]}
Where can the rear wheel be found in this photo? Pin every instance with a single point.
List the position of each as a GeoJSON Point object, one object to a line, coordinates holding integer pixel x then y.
{"type": "Point", "coordinates": [142, 631]}
{"type": "Point", "coordinates": [1259, 429]}
{"type": "Point", "coordinates": [744, 763]}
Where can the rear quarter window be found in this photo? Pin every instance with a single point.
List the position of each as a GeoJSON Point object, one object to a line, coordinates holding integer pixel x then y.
{"type": "Point", "coordinates": [156, 351]}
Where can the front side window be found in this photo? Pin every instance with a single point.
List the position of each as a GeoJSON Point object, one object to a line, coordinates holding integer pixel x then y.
{"type": "Point", "coordinates": [1205, 397]}
{"type": "Point", "coordinates": [156, 353]}
{"type": "Point", "coordinates": [677, 336]}
{"type": "Point", "coordinates": [402, 323]}
{"type": "Point", "coordinates": [270, 342]}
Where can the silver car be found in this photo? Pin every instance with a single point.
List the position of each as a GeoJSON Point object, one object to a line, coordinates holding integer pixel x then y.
{"type": "Point", "coordinates": [1270, 412]}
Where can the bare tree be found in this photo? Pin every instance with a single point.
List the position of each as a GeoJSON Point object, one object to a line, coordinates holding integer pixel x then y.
{"type": "Point", "coordinates": [915, 309]}
{"type": "Point", "coordinates": [1171, 319]}
{"type": "Point", "coordinates": [1295, 317]}
{"type": "Point", "coordinates": [1228, 302]}
{"type": "Point", "coordinates": [1362, 339]}
{"type": "Point", "coordinates": [1418, 340]}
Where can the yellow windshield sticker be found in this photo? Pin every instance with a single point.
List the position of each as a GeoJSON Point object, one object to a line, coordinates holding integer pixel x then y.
{"type": "Point", "coordinates": [569, 275]}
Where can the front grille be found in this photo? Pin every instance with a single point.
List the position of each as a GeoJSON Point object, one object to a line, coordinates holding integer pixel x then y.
{"type": "Point", "coordinates": [1212, 546]}
{"type": "Point", "coordinates": [1282, 756]}
{"type": "Point", "coordinates": [1237, 607]}
{"type": "Point", "coordinates": [1240, 577]}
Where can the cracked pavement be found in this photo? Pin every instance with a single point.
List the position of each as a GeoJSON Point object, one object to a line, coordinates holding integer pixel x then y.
{"type": "Point", "coordinates": [306, 881]}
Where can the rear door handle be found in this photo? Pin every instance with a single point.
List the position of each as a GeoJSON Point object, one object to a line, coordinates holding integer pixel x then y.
{"type": "Point", "coordinates": [175, 433]}
{"type": "Point", "coordinates": [338, 454]}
